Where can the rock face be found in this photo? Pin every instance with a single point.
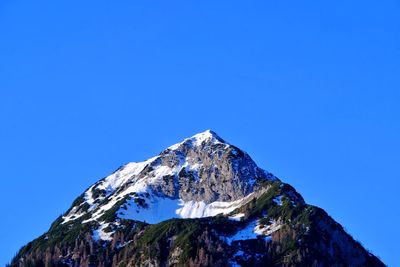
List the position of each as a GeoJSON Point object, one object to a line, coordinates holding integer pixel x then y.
{"type": "Point", "coordinates": [201, 202]}
{"type": "Point", "coordinates": [217, 171]}
{"type": "Point", "coordinates": [205, 168]}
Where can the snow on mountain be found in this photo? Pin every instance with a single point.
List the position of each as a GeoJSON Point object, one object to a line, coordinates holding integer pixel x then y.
{"type": "Point", "coordinates": [198, 139]}
{"type": "Point", "coordinates": [155, 190]}
{"type": "Point", "coordinates": [254, 230]}
{"type": "Point", "coordinates": [263, 220]}
{"type": "Point", "coordinates": [100, 234]}
{"type": "Point", "coordinates": [160, 209]}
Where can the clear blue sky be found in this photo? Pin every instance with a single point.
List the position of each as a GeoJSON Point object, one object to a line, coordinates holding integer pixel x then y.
{"type": "Point", "coordinates": [311, 90]}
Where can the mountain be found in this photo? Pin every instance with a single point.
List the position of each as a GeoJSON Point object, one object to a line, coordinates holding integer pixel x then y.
{"type": "Point", "coordinates": [201, 202]}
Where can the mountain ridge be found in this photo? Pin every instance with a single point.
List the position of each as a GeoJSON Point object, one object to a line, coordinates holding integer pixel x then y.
{"type": "Point", "coordinates": [196, 201]}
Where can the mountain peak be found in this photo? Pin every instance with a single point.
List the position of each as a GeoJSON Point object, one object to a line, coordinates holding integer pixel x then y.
{"type": "Point", "coordinates": [240, 215]}
{"type": "Point", "coordinates": [208, 136]}
{"type": "Point", "coordinates": [191, 178]}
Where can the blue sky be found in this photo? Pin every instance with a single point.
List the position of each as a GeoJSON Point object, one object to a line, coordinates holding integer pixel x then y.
{"type": "Point", "coordinates": [311, 90]}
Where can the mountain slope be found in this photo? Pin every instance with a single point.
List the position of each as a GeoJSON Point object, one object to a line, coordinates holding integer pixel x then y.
{"type": "Point", "coordinates": [201, 202]}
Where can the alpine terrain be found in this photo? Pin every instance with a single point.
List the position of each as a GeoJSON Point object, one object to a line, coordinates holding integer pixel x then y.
{"type": "Point", "coordinates": [201, 202]}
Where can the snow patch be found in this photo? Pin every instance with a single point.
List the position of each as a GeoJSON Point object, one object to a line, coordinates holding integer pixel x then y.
{"type": "Point", "coordinates": [236, 217]}
{"type": "Point", "coordinates": [243, 234]}
{"type": "Point", "coordinates": [89, 198]}
{"type": "Point", "coordinates": [199, 209]}
{"type": "Point", "coordinates": [198, 139]}
{"type": "Point", "coordinates": [73, 215]}
{"type": "Point", "coordinates": [253, 230]}
{"type": "Point", "coordinates": [100, 234]}
{"type": "Point", "coordinates": [272, 227]}
{"type": "Point", "coordinates": [162, 171]}
{"type": "Point", "coordinates": [158, 210]}
{"type": "Point", "coordinates": [122, 175]}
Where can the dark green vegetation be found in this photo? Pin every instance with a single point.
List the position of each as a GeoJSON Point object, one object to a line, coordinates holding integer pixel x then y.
{"type": "Point", "coordinates": [307, 237]}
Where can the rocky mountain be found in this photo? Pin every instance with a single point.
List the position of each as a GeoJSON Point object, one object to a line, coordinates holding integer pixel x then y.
{"type": "Point", "coordinates": [201, 202]}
